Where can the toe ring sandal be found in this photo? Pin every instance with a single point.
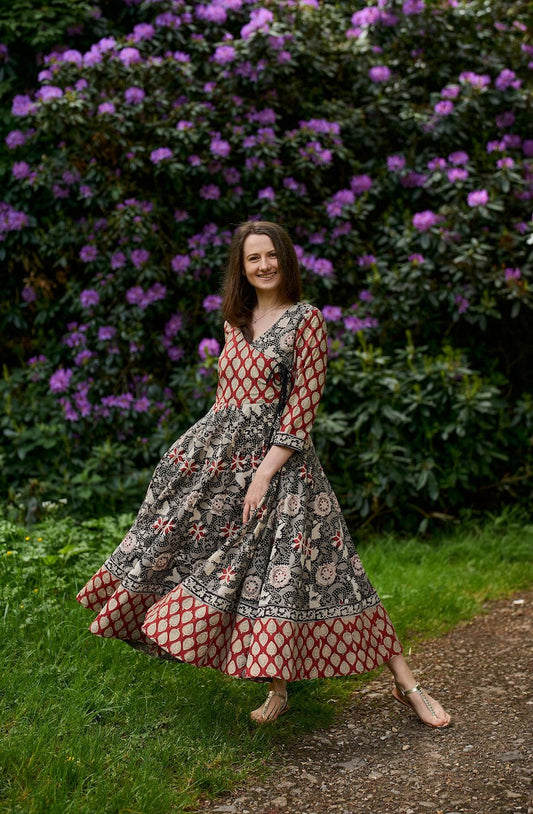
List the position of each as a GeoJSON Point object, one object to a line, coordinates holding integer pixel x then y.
{"type": "Point", "coordinates": [268, 714]}
{"type": "Point", "coordinates": [403, 697]}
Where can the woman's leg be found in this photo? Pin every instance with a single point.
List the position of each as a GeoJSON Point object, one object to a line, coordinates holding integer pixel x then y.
{"type": "Point", "coordinates": [430, 713]}
{"type": "Point", "coordinates": [275, 704]}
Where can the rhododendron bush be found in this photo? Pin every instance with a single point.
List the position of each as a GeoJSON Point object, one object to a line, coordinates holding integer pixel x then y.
{"type": "Point", "coordinates": [392, 142]}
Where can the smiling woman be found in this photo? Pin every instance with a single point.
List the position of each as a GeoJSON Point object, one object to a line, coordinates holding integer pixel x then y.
{"type": "Point", "coordinates": [240, 558]}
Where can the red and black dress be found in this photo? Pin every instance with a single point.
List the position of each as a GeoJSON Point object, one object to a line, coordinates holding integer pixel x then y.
{"type": "Point", "coordinates": [283, 595]}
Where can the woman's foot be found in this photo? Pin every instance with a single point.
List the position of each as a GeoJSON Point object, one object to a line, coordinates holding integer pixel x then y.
{"type": "Point", "coordinates": [276, 704]}
{"type": "Point", "coordinates": [428, 710]}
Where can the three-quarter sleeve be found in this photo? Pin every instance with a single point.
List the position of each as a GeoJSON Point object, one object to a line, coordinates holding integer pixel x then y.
{"type": "Point", "coordinates": [310, 363]}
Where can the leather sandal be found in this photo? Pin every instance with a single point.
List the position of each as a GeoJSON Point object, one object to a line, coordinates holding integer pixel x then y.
{"type": "Point", "coordinates": [269, 712]}
{"type": "Point", "coordinates": [402, 696]}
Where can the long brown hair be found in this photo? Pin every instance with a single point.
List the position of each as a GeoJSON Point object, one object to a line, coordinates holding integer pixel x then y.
{"type": "Point", "coordinates": [238, 296]}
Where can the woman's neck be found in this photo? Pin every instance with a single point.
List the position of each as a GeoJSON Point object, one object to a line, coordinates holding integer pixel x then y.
{"type": "Point", "coordinates": [266, 302]}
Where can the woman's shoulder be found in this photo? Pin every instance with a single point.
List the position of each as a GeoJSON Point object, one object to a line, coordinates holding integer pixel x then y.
{"type": "Point", "coordinates": [308, 312]}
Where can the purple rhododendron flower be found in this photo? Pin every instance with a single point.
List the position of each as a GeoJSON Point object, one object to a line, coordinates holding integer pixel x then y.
{"type": "Point", "coordinates": [71, 55]}
{"type": "Point", "coordinates": [478, 197]}
{"type": "Point", "coordinates": [413, 7]}
{"type": "Point", "coordinates": [88, 253]}
{"type": "Point", "coordinates": [379, 73]}
{"type": "Point", "coordinates": [366, 16]}
{"type": "Point", "coordinates": [417, 259]}
{"type": "Point", "coordinates": [319, 266]}
{"type": "Point", "coordinates": [142, 405]}
{"type": "Point", "coordinates": [478, 81]}
{"type": "Point", "coordinates": [505, 119]}
{"type": "Point", "coordinates": [224, 54]}
{"type": "Point", "coordinates": [266, 194]}
{"type": "Point", "coordinates": [444, 108]}
{"type": "Point", "coordinates": [89, 297]}
{"type": "Point", "coordinates": [413, 179]}
{"type": "Point", "coordinates": [332, 313]}
{"type": "Point", "coordinates": [211, 13]}
{"type": "Point", "coordinates": [106, 107]}
{"type": "Point", "coordinates": [260, 20]}
{"type": "Point", "coordinates": [361, 183]}
{"type": "Point", "coordinates": [212, 302]}
{"type": "Point", "coordinates": [220, 147]}
{"type": "Point", "coordinates": [118, 260]}
{"type": "Point", "coordinates": [450, 92]}
{"type": "Point", "coordinates": [459, 157]}
{"type": "Point", "coordinates": [161, 154]}
{"type": "Point", "coordinates": [134, 95]}
{"type": "Point", "coordinates": [436, 164]}
{"type": "Point", "coordinates": [21, 170]}
{"type": "Point", "coordinates": [210, 192]}
{"type": "Point", "coordinates": [462, 304]}
{"type": "Point", "coordinates": [49, 92]}
{"type": "Point", "coordinates": [425, 220]}
{"type": "Point", "coordinates": [129, 56]}
{"type": "Point", "coordinates": [106, 332]}
{"type": "Point", "coordinates": [208, 347]}
{"type": "Point", "coordinates": [139, 257]}
{"type": "Point", "coordinates": [366, 260]}
{"type": "Point", "coordinates": [11, 220]}
{"type": "Point", "coordinates": [355, 324]}
{"type": "Point", "coordinates": [505, 163]}
{"type": "Point", "coordinates": [36, 360]}
{"type": "Point", "coordinates": [60, 380]}
{"type": "Point", "coordinates": [16, 138]}
{"type": "Point", "coordinates": [173, 326]}
{"type": "Point", "coordinates": [512, 274]}
{"type": "Point", "coordinates": [395, 163]}
{"type": "Point", "coordinates": [22, 106]}
{"type": "Point", "coordinates": [507, 79]}
{"type": "Point", "coordinates": [28, 294]}
{"type": "Point", "coordinates": [143, 31]}
{"type": "Point", "coordinates": [82, 357]}
{"type": "Point", "coordinates": [180, 263]}
{"type": "Point", "coordinates": [457, 174]}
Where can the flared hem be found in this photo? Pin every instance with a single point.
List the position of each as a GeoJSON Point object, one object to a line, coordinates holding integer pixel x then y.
{"type": "Point", "coordinates": [180, 626]}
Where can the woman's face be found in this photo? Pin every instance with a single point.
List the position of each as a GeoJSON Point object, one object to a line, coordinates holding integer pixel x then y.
{"type": "Point", "coordinates": [261, 263]}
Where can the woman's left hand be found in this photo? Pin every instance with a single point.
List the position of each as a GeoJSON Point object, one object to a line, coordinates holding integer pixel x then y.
{"type": "Point", "coordinates": [254, 495]}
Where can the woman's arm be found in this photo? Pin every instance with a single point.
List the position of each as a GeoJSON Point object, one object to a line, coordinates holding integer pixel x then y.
{"type": "Point", "coordinates": [271, 463]}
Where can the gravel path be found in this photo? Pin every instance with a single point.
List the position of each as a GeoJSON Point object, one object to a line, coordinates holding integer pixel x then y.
{"type": "Point", "coordinates": [378, 759]}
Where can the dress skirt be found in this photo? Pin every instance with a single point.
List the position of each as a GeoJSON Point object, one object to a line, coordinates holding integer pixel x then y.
{"type": "Point", "coordinates": [283, 595]}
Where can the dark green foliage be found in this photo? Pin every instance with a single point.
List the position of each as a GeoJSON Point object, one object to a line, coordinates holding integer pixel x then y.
{"type": "Point", "coordinates": [399, 159]}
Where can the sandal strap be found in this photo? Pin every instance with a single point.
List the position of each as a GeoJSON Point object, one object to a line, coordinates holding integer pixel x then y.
{"type": "Point", "coordinates": [417, 688]}
{"type": "Point", "coordinates": [273, 694]}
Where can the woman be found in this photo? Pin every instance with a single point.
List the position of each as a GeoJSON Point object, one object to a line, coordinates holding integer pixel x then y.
{"type": "Point", "coordinates": [239, 558]}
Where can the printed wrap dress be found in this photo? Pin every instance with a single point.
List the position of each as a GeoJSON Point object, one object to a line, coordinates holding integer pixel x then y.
{"type": "Point", "coordinates": [283, 595]}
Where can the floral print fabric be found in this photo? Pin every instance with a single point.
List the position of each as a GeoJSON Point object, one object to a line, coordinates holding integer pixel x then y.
{"type": "Point", "coordinates": [282, 595]}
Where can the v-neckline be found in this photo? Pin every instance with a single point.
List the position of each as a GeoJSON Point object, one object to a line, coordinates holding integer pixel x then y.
{"type": "Point", "coordinates": [257, 338]}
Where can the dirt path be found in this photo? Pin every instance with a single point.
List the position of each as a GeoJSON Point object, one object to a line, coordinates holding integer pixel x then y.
{"type": "Point", "coordinates": [379, 760]}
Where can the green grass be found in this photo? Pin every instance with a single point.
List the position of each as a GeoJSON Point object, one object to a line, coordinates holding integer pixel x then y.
{"type": "Point", "coordinates": [92, 726]}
